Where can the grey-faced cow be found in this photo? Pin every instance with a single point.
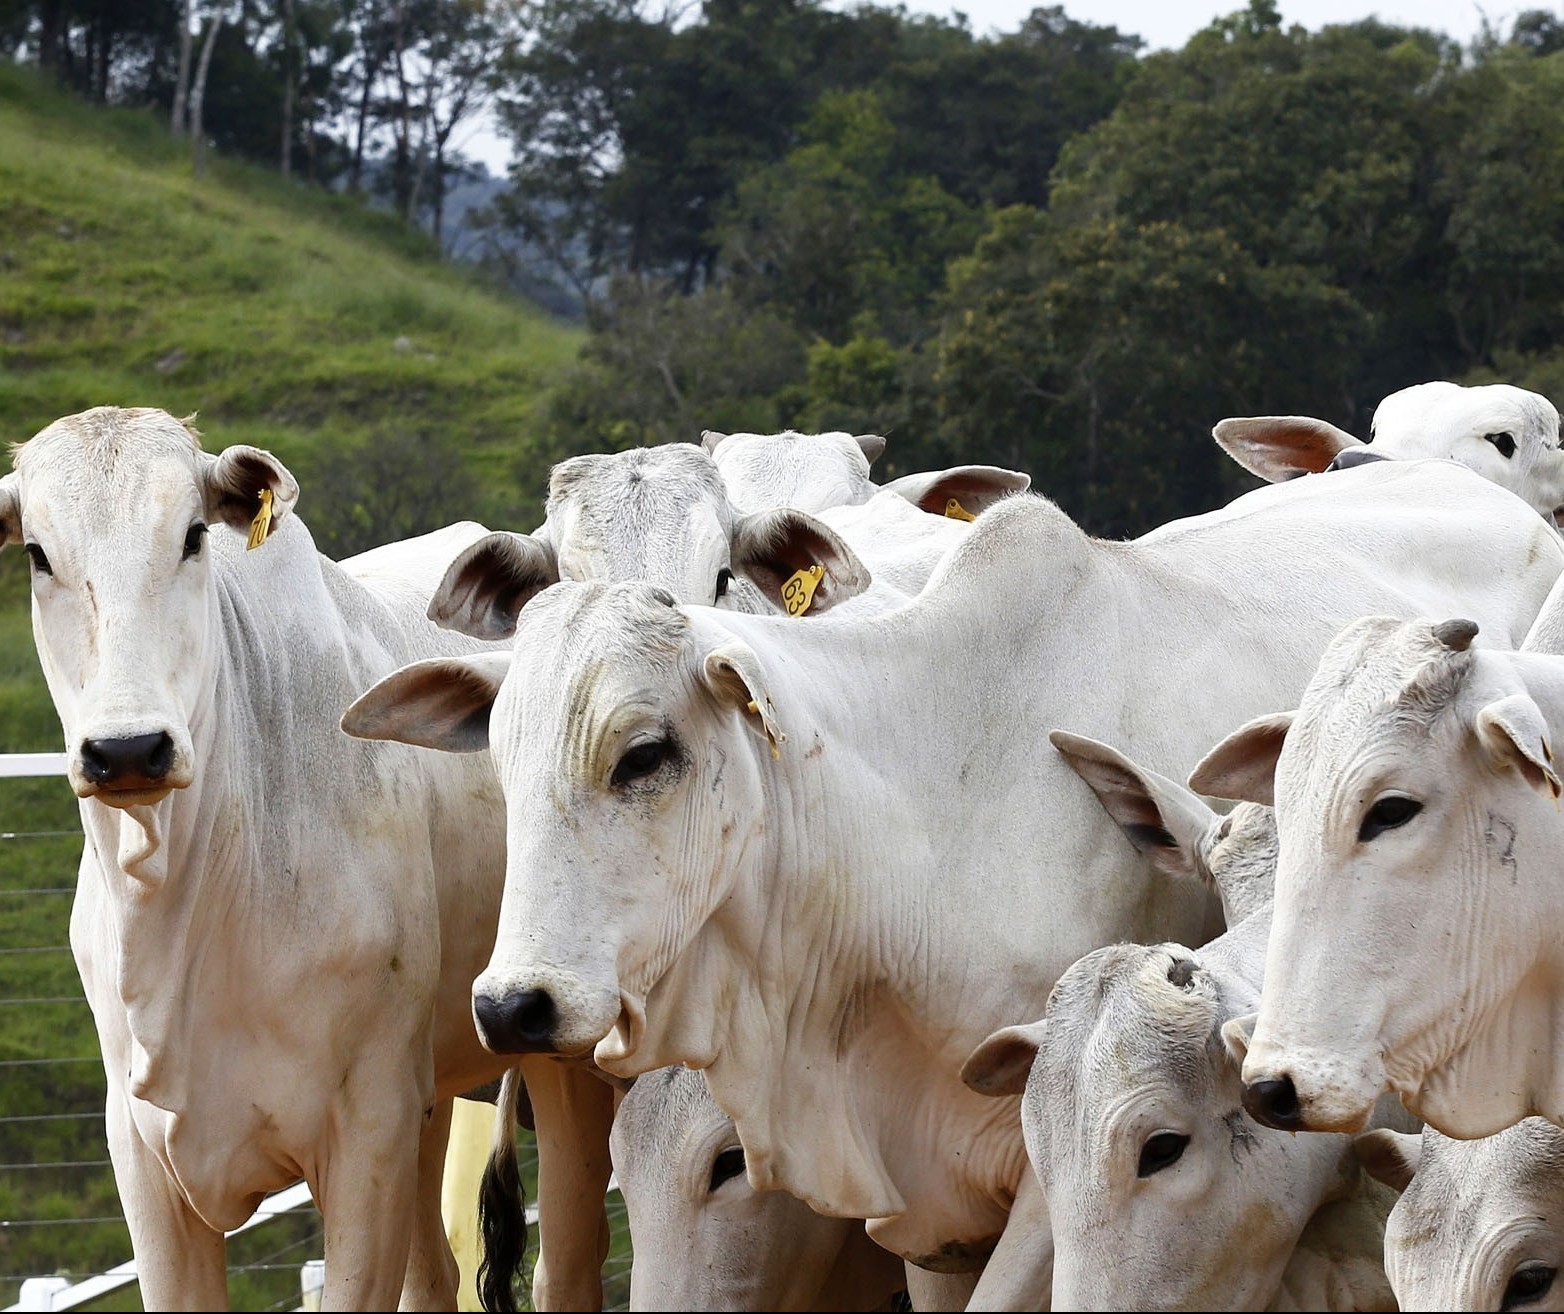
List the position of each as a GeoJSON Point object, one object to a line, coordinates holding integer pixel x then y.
{"type": "Point", "coordinates": [1477, 1226]}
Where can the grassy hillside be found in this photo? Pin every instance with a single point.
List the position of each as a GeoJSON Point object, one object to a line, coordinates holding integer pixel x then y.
{"type": "Point", "coordinates": [398, 391]}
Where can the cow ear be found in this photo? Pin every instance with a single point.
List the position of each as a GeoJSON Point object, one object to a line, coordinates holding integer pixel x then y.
{"type": "Point", "coordinates": [733, 675]}
{"type": "Point", "coordinates": [770, 547]}
{"type": "Point", "coordinates": [1160, 817]}
{"type": "Point", "coordinates": [1390, 1157]}
{"type": "Point", "coordinates": [234, 479]}
{"type": "Point", "coordinates": [441, 703]}
{"type": "Point", "coordinates": [1515, 735]}
{"type": "Point", "coordinates": [10, 509]}
{"type": "Point", "coordinates": [711, 439]}
{"type": "Point", "coordinates": [1002, 1063]}
{"type": "Point", "coordinates": [1282, 447]}
{"type": "Point", "coordinates": [871, 444]}
{"type": "Point", "coordinates": [486, 587]}
{"type": "Point", "coordinates": [1236, 1034]}
{"type": "Point", "coordinates": [1243, 766]}
{"type": "Point", "coordinates": [970, 487]}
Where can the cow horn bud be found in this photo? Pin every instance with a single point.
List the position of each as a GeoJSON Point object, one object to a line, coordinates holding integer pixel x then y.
{"type": "Point", "coordinates": [1456, 635]}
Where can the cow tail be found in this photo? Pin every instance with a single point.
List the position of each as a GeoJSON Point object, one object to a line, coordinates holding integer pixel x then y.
{"type": "Point", "coordinates": [502, 1219]}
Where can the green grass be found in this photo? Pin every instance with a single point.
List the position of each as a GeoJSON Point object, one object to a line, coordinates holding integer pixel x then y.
{"type": "Point", "coordinates": [298, 321]}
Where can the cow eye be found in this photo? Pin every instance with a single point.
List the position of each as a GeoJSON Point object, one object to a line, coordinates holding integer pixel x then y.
{"type": "Point", "coordinates": [724, 578]}
{"type": "Point", "coordinates": [729, 1164]}
{"type": "Point", "coordinates": [1160, 1151]}
{"type": "Point", "coordinates": [642, 760]}
{"type": "Point", "coordinates": [193, 537]}
{"type": "Point", "coordinates": [35, 554]}
{"type": "Point", "coordinates": [1528, 1284]}
{"type": "Point", "coordinates": [1504, 442]}
{"type": "Point", "coordinates": [1387, 813]}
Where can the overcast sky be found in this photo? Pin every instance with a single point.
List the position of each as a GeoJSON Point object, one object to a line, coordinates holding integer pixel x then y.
{"type": "Point", "coordinates": [1164, 24]}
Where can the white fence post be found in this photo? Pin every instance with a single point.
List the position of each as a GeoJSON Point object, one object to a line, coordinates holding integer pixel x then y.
{"type": "Point", "coordinates": [312, 1282]}
{"type": "Point", "coordinates": [38, 1293]}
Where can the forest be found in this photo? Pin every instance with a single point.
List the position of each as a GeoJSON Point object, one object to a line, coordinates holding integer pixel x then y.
{"type": "Point", "coordinates": [1045, 248]}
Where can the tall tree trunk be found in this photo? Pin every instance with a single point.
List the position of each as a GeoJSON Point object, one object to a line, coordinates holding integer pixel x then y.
{"type": "Point", "coordinates": [198, 95]}
{"type": "Point", "coordinates": [402, 181]}
{"type": "Point", "coordinates": [177, 123]}
{"type": "Point", "coordinates": [51, 33]}
{"type": "Point", "coordinates": [366, 93]}
{"type": "Point", "coordinates": [288, 80]}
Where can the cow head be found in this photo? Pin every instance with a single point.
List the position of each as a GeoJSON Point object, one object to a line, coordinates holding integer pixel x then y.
{"type": "Point", "coordinates": [657, 514]}
{"type": "Point", "coordinates": [113, 508]}
{"type": "Point", "coordinates": [1477, 1224]}
{"type": "Point", "coordinates": [810, 471]}
{"type": "Point", "coordinates": [629, 739]}
{"type": "Point", "coordinates": [1133, 1119]}
{"type": "Point", "coordinates": [705, 1238]}
{"type": "Point", "coordinates": [1413, 790]}
{"type": "Point", "coordinates": [1506, 434]}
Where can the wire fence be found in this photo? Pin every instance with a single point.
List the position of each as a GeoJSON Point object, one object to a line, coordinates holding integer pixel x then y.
{"type": "Point", "coordinates": [63, 1239]}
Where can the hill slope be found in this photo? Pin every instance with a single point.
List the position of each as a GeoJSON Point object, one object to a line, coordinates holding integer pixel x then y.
{"type": "Point", "coordinates": [396, 389]}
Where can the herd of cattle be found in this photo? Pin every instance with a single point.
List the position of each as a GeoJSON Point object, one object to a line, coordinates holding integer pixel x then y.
{"type": "Point", "coordinates": [813, 854]}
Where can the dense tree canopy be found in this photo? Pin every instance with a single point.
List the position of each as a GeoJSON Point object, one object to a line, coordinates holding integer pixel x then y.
{"type": "Point", "coordinates": [1042, 247]}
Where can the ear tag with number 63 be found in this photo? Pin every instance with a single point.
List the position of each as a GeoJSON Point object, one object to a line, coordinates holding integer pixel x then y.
{"type": "Point", "coordinates": [799, 591]}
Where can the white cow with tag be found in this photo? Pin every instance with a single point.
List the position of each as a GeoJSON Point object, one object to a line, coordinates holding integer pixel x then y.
{"type": "Point", "coordinates": [277, 926]}
{"type": "Point", "coordinates": [822, 862]}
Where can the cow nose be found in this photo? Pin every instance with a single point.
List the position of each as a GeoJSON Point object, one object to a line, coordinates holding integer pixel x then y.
{"type": "Point", "coordinates": [520, 1023]}
{"type": "Point", "coordinates": [138, 759]}
{"type": "Point", "coordinates": [1274, 1103]}
{"type": "Point", "coordinates": [1351, 456]}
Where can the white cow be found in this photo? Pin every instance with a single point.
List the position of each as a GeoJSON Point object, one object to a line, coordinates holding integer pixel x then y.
{"type": "Point", "coordinates": [663, 515]}
{"type": "Point", "coordinates": [277, 927]}
{"type": "Point", "coordinates": [1504, 433]}
{"type": "Point", "coordinates": [817, 471]}
{"type": "Point", "coordinates": [1131, 1106]}
{"type": "Point", "coordinates": [1477, 1226]}
{"type": "Point", "coordinates": [822, 862]}
{"type": "Point", "coordinates": [1414, 947]}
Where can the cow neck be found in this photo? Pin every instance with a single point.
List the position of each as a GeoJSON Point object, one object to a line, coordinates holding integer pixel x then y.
{"type": "Point", "coordinates": [173, 937]}
{"type": "Point", "coordinates": [834, 995]}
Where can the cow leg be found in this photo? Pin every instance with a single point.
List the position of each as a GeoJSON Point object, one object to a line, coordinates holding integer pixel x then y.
{"type": "Point", "coordinates": [431, 1267]}
{"type": "Point", "coordinates": [573, 1109]}
{"type": "Point", "coordinates": [181, 1262]}
{"type": "Point", "coordinates": [366, 1187]}
{"type": "Point", "coordinates": [1020, 1272]}
{"type": "Point", "coordinates": [939, 1291]}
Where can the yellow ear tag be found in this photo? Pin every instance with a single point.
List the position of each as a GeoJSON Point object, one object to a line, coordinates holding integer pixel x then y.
{"type": "Point", "coordinates": [955, 511]}
{"type": "Point", "coordinates": [261, 526]}
{"type": "Point", "coordinates": [799, 591]}
{"type": "Point", "coordinates": [771, 736]}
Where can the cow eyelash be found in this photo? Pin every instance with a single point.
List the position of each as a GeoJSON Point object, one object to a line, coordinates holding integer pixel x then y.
{"type": "Point", "coordinates": [1504, 442]}
{"type": "Point", "coordinates": [40, 561]}
{"type": "Point", "coordinates": [1162, 1150]}
{"type": "Point", "coordinates": [1388, 813]}
{"type": "Point", "coordinates": [642, 760]}
{"type": "Point", "coordinates": [193, 537]}
{"type": "Point", "coordinates": [727, 1165]}
{"type": "Point", "coordinates": [1528, 1284]}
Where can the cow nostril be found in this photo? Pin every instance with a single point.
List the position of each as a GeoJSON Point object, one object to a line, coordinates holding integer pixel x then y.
{"type": "Point", "coordinates": [143, 759]}
{"type": "Point", "coordinates": [1274, 1103]}
{"type": "Point", "coordinates": [520, 1023]}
